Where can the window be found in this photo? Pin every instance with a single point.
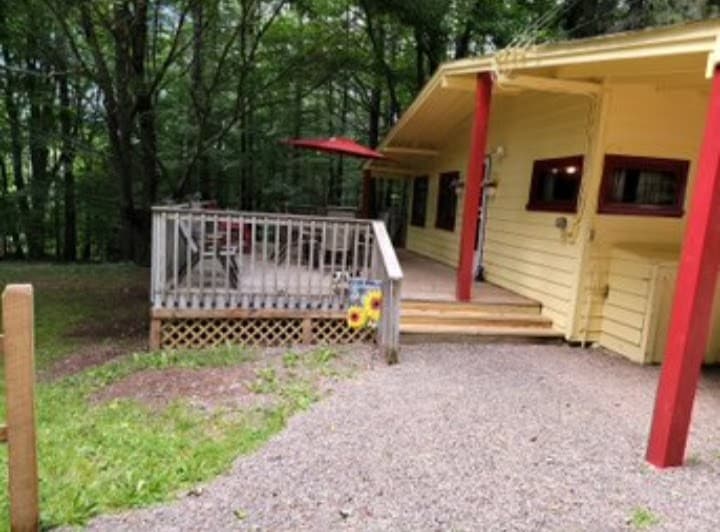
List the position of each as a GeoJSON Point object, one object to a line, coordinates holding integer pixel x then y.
{"type": "Point", "coordinates": [419, 201]}
{"type": "Point", "coordinates": [447, 201]}
{"type": "Point", "coordinates": [555, 184]}
{"type": "Point", "coordinates": [643, 186]}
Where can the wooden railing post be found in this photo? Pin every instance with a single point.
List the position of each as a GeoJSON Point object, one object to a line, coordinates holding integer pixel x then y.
{"type": "Point", "coordinates": [385, 263]}
{"type": "Point", "coordinates": [19, 349]}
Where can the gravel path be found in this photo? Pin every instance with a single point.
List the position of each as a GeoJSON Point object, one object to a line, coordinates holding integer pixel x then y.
{"type": "Point", "coordinates": [467, 437]}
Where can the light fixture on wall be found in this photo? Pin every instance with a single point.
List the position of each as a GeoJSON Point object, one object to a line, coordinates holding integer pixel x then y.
{"type": "Point", "coordinates": [491, 187]}
{"type": "Point", "coordinates": [457, 185]}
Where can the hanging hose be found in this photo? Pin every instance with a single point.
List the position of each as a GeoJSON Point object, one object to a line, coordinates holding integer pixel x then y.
{"type": "Point", "coordinates": [479, 269]}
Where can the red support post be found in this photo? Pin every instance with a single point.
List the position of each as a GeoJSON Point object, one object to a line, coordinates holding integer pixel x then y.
{"type": "Point", "coordinates": [694, 291]}
{"type": "Point", "coordinates": [473, 186]}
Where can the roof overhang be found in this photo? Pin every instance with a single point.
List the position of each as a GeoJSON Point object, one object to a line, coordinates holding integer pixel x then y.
{"type": "Point", "coordinates": [687, 52]}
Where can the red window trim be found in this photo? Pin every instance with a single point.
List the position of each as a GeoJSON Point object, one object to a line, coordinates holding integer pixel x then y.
{"type": "Point", "coordinates": [679, 167]}
{"type": "Point", "coordinates": [534, 204]}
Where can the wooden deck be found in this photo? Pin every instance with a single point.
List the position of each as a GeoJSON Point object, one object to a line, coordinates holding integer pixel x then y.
{"type": "Point", "coordinates": [426, 279]}
{"type": "Point", "coordinates": [267, 278]}
{"type": "Point", "coordinates": [263, 278]}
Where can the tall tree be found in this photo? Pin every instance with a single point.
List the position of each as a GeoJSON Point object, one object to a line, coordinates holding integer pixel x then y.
{"type": "Point", "coordinates": [110, 106]}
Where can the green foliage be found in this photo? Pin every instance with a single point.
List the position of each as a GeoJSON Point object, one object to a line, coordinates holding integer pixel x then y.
{"type": "Point", "coordinates": [642, 518]}
{"type": "Point", "coordinates": [69, 298]}
{"type": "Point", "coordinates": [97, 458]}
{"type": "Point", "coordinates": [101, 457]}
{"type": "Point", "coordinates": [219, 84]}
{"type": "Point", "coordinates": [291, 359]}
{"type": "Point", "coordinates": [267, 381]}
{"type": "Point", "coordinates": [106, 374]}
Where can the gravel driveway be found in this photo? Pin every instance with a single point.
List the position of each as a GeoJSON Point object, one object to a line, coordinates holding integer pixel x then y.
{"type": "Point", "coordinates": [468, 437]}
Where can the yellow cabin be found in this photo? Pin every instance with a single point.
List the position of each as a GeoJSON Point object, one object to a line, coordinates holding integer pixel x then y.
{"type": "Point", "coordinates": [590, 161]}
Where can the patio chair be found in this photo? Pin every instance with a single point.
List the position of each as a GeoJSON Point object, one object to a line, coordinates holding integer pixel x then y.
{"type": "Point", "coordinates": [337, 243]}
{"type": "Point", "coordinates": [215, 246]}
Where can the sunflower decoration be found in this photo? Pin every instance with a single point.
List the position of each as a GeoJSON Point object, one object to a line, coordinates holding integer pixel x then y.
{"type": "Point", "coordinates": [356, 317]}
{"type": "Point", "coordinates": [373, 304]}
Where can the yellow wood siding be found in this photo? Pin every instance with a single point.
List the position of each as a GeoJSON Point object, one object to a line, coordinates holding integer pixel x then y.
{"type": "Point", "coordinates": [629, 318]}
{"type": "Point", "coordinates": [440, 244]}
{"type": "Point", "coordinates": [650, 121]}
{"type": "Point", "coordinates": [636, 310]}
{"type": "Point", "coordinates": [524, 250]}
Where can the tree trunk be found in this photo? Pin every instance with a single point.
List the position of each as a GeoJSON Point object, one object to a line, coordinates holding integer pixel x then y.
{"type": "Point", "coordinates": [333, 194]}
{"type": "Point", "coordinates": [4, 205]}
{"type": "Point", "coordinates": [199, 107]}
{"type": "Point", "coordinates": [419, 62]}
{"type": "Point", "coordinates": [40, 120]}
{"type": "Point", "coordinates": [145, 109]}
{"type": "Point", "coordinates": [16, 150]}
{"type": "Point", "coordinates": [67, 159]}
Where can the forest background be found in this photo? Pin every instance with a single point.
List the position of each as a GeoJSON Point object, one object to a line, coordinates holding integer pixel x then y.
{"type": "Point", "coordinates": [108, 107]}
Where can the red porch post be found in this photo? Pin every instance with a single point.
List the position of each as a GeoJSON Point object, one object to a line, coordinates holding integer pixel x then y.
{"type": "Point", "coordinates": [692, 307]}
{"type": "Point", "coordinates": [473, 185]}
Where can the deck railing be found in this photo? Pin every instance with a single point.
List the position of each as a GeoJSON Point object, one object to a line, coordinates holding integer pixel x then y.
{"type": "Point", "coordinates": [218, 259]}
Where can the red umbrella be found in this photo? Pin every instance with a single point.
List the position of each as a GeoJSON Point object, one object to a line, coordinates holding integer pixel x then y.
{"type": "Point", "coordinates": [339, 145]}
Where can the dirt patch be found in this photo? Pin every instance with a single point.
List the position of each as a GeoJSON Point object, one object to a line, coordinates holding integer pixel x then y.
{"type": "Point", "coordinates": [238, 386]}
{"type": "Point", "coordinates": [204, 388]}
{"type": "Point", "coordinates": [91, 355]}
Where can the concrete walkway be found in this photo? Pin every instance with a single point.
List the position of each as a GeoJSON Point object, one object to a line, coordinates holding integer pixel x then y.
{"type": "Point", "coordinates": [468, 437]}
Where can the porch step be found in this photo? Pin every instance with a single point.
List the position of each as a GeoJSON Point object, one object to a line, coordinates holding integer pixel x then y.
{"type": "Point", "coordinates": [480, 330]}
{"type": "Point", "coordinates": [442, 307]}
{"type": "Point", "coordinates": [472, 318]}
{"type": "Point", "coordinates": [463, 321]}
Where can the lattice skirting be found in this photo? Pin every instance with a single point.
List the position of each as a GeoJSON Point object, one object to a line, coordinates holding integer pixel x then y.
{"type": "Point", "coordinates": [183, 333]}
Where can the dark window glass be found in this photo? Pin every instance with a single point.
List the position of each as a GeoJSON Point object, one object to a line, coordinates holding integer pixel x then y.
{"type": "Point", "coordinates": [447, 201]}
{"type": "Point", "coordinates": [555, 184]}
{"type": "Point", "coordinates": [419, 201]}
{"type": "Point", "coordinates": [643, 185]}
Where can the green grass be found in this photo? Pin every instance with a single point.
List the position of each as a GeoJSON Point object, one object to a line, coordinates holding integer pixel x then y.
{"type": "Point", "coordinates": [69, 296]}
{"type": "Point", "coordinates": [98, 458]}
{"type": "Point", "coordinates": [642, 518]}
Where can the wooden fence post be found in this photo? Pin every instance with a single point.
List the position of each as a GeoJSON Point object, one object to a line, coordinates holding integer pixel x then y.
{"type": "Point", "coordinates": [19, 349]}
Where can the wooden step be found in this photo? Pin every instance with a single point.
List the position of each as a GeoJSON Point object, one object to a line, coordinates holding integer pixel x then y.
{"type": "Point", "coordinates": [479, 330]}
{"type": "Point", "coordinates": [469, 306]}
{"type": "Point", "coordinates": [472, 318]}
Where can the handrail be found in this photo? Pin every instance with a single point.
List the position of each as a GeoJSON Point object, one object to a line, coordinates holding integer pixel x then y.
{"type": "Point", "coordinates": [387, 251]}
{"type": "Point", "coordinates": [391, 273]}
{"type": "Point", "coordinates": [260, 214]}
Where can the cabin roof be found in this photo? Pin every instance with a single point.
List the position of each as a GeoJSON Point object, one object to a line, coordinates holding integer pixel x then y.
{"type": "Point", "coordinates": [680, 54]}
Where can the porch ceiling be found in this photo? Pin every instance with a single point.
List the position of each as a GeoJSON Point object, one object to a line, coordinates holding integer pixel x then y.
{"type": "Point", "coordinates": [430, 129]}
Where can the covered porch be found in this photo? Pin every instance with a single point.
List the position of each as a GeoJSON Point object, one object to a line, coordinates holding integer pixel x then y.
{"type": "Point", "coordinates": [430, 308]}
{"type": "Point", "coordinates": [429, 280]}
